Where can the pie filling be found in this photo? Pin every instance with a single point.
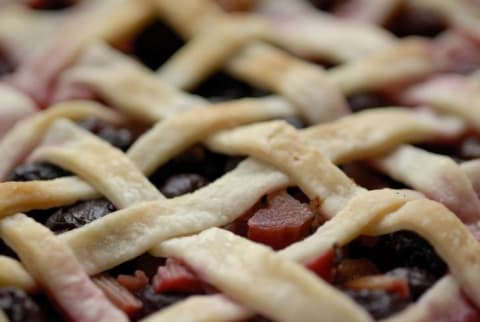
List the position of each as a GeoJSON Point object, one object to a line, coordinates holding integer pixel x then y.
{"type": "Point", "coordinates": [156, 172]}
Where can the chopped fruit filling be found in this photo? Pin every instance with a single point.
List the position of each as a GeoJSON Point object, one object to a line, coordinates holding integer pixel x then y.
{"type": "Point", "coordinates": [418, 280]}
{"type": "Point", "coordinates": [222, 87]}
{"type": "Point", "coordinates": [181, 184]}
{"type": "Point", "coordinates": [283, 222]}
{"type": "Point", "coordinates": [362, 101]}
{"type": "Point", "coordinates": [156, 44]}
{"type": "Point", "coordinates": [236, 5]}
{"type": "Point", "coordinates": [135, 282]}
{"type": "Point", "coordinates": [351, 269]}
{"type": "Point", "coordinates": [119, 137]}
{"type": "Point", "coordinates": [380, 304]}
{"type": "Point", "coordinates": [153, 302]}
{"type": "Point", "coordinates": [18, 306]}
{"type": "Point", "coordinates": [37, 171]}
{"type": "Point", "coordinates": [177, 278]}
{"type": "Point", "coordinates": [50, 4]}
{"type": "Point", "coordinates": [417, 21]}
{"type": "Point", "coordinates": [78, 215]}
{"type": "Point", "coordinates": [117, 294]}
{"type": "Point", "coordinates": [380, 282]}
{"type": "Point", "coordinates": [323, 266]}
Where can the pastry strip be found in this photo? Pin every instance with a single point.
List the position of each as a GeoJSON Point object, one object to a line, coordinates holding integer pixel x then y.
{"type": "Point", "coordinates": [174, 135]}
{"type": "Point", "coordinates": [13, 274]}
{"type": "Point", "coordinates": [57, 270]}
{"type": "Point", "coordinates": [254, 275]}
{"type": "Point", "coordinates": [209, 308]}
{"type": "Point", "coordinates": [24, 136]}
{"type": "Point", "coordinates": [103, 166]}
{"type": "Point", "coordinates": [439, 177]}
{"type": "Point", "coordinates": [128, 85]}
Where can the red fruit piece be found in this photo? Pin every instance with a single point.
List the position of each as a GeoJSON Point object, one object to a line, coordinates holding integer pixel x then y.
{"type": "Point", "coordinates": [117, 294]}
{"type": "Point", "coordinates": [133, 283]}
{"type": "Point", "coordinates": [323, 265]}
{"type": "Point", "coordinates": [177, 278]}
{"type": "Point", "coordinates": [381, 282]}
{"type": "Point", "coordinates": [285, 221]}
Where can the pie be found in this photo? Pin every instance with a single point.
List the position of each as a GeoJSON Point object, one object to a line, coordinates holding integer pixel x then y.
{"type": "Point", "coordinates": [240, 160]}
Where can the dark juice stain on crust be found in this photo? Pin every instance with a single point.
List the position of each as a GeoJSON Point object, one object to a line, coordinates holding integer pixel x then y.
{"type": "Point", "coordinates": [156, 44]}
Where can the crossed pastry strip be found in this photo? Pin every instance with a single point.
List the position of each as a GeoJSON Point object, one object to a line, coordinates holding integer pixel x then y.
{"type": "Point", "coordinates": [349, 79]}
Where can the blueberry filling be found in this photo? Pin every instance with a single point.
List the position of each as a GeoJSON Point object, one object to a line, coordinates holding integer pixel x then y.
{"type": "Point", "coordinates": [417, 21]}
{"type": "Point", "coordinates": [156, 44]}
{"type": "Point", "coordinates": [18, 306]}
{"type": "Point", "coordinates": [362, 101]}
{"type": "Point", "coordinates": [37, 171]}
{"type": "Point", "coordinates": [51, 4]}
{"type": "Point", "coordinates": [222, 87]}
{"type": "Point", "coordinates": [190, 171]}
{"type": "Point", "coordinates": [6, 66]}
{"type": "Point", "coordinates": [419, 280]}
{"type": "Point", "coordinates": [78, 215]}
{"type": "Point", "coordinates": [326, 5]}
{"type": "Point", "coordinates": [400, 249]}
{"type": "Point", "coordinates": [380, 304]}
{"type": "Point", "coordinates": [121, 138]}
{"type": "Point", "coordinates": [153, 302]}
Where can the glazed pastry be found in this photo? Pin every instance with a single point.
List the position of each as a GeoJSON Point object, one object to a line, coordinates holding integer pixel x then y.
{"type": "Point", "coordinates": [269, 160]}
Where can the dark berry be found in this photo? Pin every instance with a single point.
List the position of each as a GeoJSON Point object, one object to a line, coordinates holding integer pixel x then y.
{"type": "Point", "coordinates": [407, 249]}
{"type": "Point", "coordinates": [120, 138]}
{"type": "Point", "coordinates": [156, 44]}
{"type": "Point", "coordinates": [18, 306]}
{"type": "Point", "coordinates": [326, 5]}
{"type": "Point", "coordinates": [418, 280]}
{"type": "Point", "coordinates": [6, 66]}
{"type": "Point", "coordinates": [5, 250]}
{"type": "Point", "coordinates": [37, 171]}
{"type": "Point", "coordinates": [145, 263]}
{"type": "Point", "coordinates": [295, 122]}
{"type": "Point", "coordinates": [417, 21]}
{"type": "Point", "coordinates": [153, 302]}
{"type": "Point", "coordinates": [362, 101]}
{"type": "Point", "coordinates": [196, 160]}
{"type": "Point", "coordinates": [50, 4]}
{"type": "Point", "coordinates": [380, 304]}
{"type": "Point", "coordinates": [79, 214]}
{"type": "Point", "coordinates": [181, 184]}
{"type": "Point", "coordinates": [222, 87]}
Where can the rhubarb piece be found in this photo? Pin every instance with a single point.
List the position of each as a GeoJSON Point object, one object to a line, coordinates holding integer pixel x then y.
{"type": "Point", "coordinates": [419, 281]}
{"type": "Point", "coordinates": [284, 222]}
{"type": "Point", "coordinates": [57, 270]}
{"type": "Point", "coordinates": [380, 282]}
{"type": "Point", "coordinates": [176, 277]}
{"type": "Point", "coordinates": [323, 266]}
{"type": "Point", "coordinates": [117, 294]}
{"type": "Point", "coordinates": [135, 282]}
{"type": "Point", "coordinates": [351, 269]}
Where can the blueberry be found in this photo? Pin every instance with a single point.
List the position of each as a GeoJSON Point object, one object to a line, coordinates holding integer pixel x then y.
{"type": "Point", "coordinates": [6, 66]}
{"type": "Point", "coordinates": [37, 171]}
{"type": "Point", "coordinates": [79, 214]}
{"type": "Point", "coordinates": [222, 87]}
{"type": "Point", "coordinates": [380, 304]}
{"type": "Point", "coordinates": [361, 101]}
{"type": "Point", "coordinates": [294, 121]}
{"type": "Point", "coordinates": [156, 44]}
{"type": "Point", "coordinates": [153, 302]}
{"type": "Point", "coordinates": [50, 4]}
{"type": "Point", "coordinates": [326, 5]}
{"type": "Point", "coordinates": [418, 280]}
{"type": "Point", "coordinates": [407, 249]}
{"type": "Point", "coordinates": [417, 21]}
{"type": "Point", "coordinates": [18, 306]}
{"type": "Point", "coordinates": [118, 137]}
{"type": "Point", "coordinates": [180, 184]}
